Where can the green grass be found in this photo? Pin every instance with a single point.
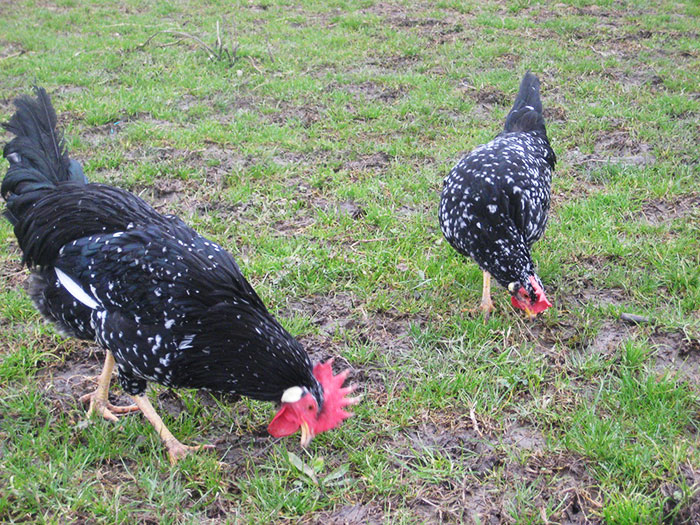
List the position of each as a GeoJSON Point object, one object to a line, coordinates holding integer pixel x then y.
{"type": "Point", "coordinates": [317, 159]}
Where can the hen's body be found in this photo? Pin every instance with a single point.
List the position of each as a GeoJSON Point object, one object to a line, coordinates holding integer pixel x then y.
{"type": "Point", "coordinates": [170, 305]}
{"type": "Point", "coordinates": [495, 201]}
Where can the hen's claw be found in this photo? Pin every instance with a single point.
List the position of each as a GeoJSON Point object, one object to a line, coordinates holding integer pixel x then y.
{"type": "Point", "coordinates": [177, 451]}
{"type": "Point", "coordinates": [104, 408]}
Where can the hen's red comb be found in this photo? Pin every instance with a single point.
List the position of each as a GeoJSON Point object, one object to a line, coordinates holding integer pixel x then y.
{"type": "Point", "coordinates": [334, 396]}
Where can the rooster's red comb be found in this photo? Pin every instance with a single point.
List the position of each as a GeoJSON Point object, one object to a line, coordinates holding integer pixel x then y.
{"type": "Point", "coordinates": [335, 398]}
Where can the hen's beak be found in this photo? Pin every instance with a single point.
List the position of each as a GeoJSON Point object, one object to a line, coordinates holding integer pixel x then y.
{"type": "Point", "coordinates": [306, 434]}
{"type": "Point", "coordinates": [530, 314]}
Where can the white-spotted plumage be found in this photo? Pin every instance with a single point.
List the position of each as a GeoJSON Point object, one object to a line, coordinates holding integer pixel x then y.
{"type": "Point", "coordinates": [171, 306]}
{"type": "Point", "coordinates": [495, 201]}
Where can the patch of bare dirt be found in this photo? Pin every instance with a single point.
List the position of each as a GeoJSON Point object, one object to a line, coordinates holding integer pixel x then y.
{"type": "Point", "coordinates": [592, 295]}
{"type": "Point", "coordinates": [166, 195]}
{"type": "Point", "coordinates": [586, 290]}
{"type": "Point", "coordinates": [66, 382]}
{"type": "Point", "coordinates": [9, 50]}
{"type": "Point", "coordinates": [329, 313]}
{"type": "Point", "coordinates": [352, 209]}
{"type": "Point", "coordinates": [385, 65]}
{"type": "Point", "coordinates": [613, 147]}
{"type": "Point", "coordinates": [605, 341]}
{"type": "Point", "coordinates": [619, 147]}
{"type": "Point", "coordinates": [554, 113]}
{"type": "Point", "coordinates": [582, 189]}
{"type": "Point", "coordinates": [374, 91]}
{"type": "Point", "coordinates": [678, 510]}
{"type": "Point", "coordinates": [436, 31]}
{"type": "Point", "coordinates": [12, 273]}
{"type": "Point", "coordinates": [486, 98]}
{"type": "Point", "coordinates": [660, 211]}
{"type": "Point", "coordinates": [356, 514]}
{"type": "Point", "coordinates": [524, 437]}
{"type": "Point", "coordinates": [609, 338]}
{"type": "Point", "coordinates": [488, 493]}
{"type": "Point", "coordinates": [368, 162]}
{"type": "Point", "coordinates": [286, 158]}
{"type": "Point", "coordinates": [488, 95]}
{"type": "Point", "coordinates": [677, 353]}
{"type": "Point", "coordinates": [288, 113]}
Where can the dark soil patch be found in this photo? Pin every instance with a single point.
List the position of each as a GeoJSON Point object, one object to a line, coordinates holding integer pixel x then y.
{"type": "Point", "coordinates": [352, 209]}
{"type": "Point", "coordinates": [374, 91]}
{"type": "Point", "coordinates": [369, 162]}
{"type": "Point", "coordinates": [295, 225]}
{"type": "Point", "coordinates": [489, 492]}
{"type": "Point", "coordinates": [682, 512]}
{"type": "Point", "coordinates": [436, 31]}
{"type": "Point", "coordinates": [554, 113]}
{"type": "Point", "coordinates": [344, 311]}
{"type": "Point", "coordinates": [613, 147]}
{"type": "Point", "coordinates": [524, 437]}
{"type": "Point", "coordinates": [677, 353]}
{"type": "Point", "coordinates": [582, 189]}
{"type": "Point", "coordinates": [9, 50]}
{"type": "Point", "coordinates": [68, 381]}
{"type": "Point", "coordinates": [602, 340]}
{"type": "Point", "coordinates": [660, 211]}
{"type": "Point", "coordinates": [12, 273]}
{"type": "Point", "coordinates": [606, 341]}
{"type": "Point", "coordinates": [169, 196]}
{"type": "Point", "coordinates": [489, 96]}
{"type": "Point", "coordinates": [609, 338]}
{"type": "Point", "coordinates": [594, 296]}
{"type": "Point", "coordinates": [356, 514]}
{"type": "Point", "coordinates": [307, 115]}
{"type": "Point", "coordinates": [385, 65]}
{"type": "Point", "coordinates": [618, 147]}
{"type": "Point", "coordinates": [286, 158]}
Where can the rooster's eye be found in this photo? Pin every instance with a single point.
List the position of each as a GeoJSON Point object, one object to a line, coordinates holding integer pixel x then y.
{"type": "Point", "coordinates": [310, 407]}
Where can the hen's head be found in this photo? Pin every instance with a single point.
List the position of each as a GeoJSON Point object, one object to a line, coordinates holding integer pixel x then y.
{"type": "Point", "coordinates": [529, 296]}
{"type": "Point", "coordinates": [300, 408]}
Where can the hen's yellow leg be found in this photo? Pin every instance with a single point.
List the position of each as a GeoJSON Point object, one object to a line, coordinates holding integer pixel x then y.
{"type": "Point", "coordinates": [486, 303]}
{"type": "Point", "coordinates": [99, 399]}
{"type": "Point", "coordinates": [176, 450]}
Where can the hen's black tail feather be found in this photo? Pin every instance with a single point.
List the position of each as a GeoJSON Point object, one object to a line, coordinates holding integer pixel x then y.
{"type": "Point", "coordinates": [526, 114]}
{"type": "Point", "coordinates": [37, 155]}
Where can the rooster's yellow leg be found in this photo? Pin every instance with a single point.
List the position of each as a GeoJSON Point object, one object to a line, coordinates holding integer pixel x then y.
{"type": "Point", "coordinates": [176, 450]}
{"type": "Point", "coordinates": [486, 303]}
{"type": "Point", "coordinates": [99, 399]}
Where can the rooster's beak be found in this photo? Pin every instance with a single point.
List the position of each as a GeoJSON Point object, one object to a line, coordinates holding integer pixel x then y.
{"type": "Point", "coordinates": [306, 434]}
{"type": "Point", "coordinates": [530, 314]}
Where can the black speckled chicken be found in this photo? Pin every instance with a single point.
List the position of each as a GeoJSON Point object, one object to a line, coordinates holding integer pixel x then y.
{"type": "Point", "coordinates": [495, 202]}
{"type": "Point", "coordinates": [167, 304]}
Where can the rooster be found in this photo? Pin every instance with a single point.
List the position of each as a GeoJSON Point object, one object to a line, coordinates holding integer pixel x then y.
{"type": "Point", "coordinates": [168, 305]}
{"type": "Point", "coordinates": [495, 203]}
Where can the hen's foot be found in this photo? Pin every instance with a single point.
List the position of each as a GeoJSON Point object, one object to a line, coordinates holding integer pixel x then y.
{"type": "Point", "coordinates": [177, 451]}
{"type": "Point", "coordinates": [486, 308]}
{"type": "Point", "coordinates": [99, 399]}
{"type": "Point", "coordinates": [101, 406]}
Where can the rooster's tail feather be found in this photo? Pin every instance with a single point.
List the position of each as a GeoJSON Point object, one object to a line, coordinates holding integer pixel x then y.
{"type": "Point", "coordinates": [37, 155]}
{"type": "Point", "coordinates": [526, 114]}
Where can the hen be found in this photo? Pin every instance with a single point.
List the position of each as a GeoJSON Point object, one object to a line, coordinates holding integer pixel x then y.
{"type": "Point", "coordinates": [168, 305]}
{"type": "Point", "coordinates": [495, 202]}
